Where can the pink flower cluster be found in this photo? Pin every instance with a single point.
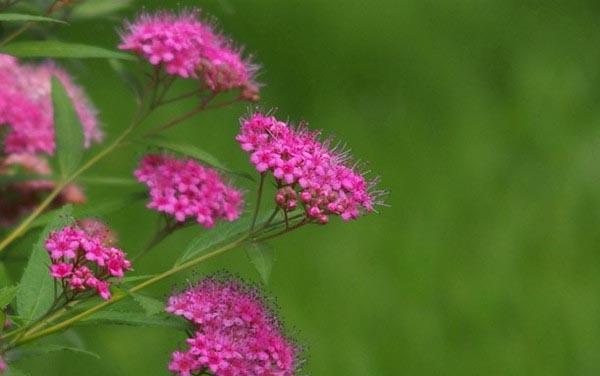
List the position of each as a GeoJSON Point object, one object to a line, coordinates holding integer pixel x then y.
{"type": "Point", "coordinates": [189, 47]}
{"type": "Point", "coordinates": [3, 366]}
{"type": "Point", "coordinates": [307, 170]}
{"type": "Point", "coordinates": [26, 106]}
{"type": "Point", "coordinates": [85, 261]}
{"type": "Point", "coordinates": [236, 334]}
{"type": "Point", "coordinates": [183, 188]}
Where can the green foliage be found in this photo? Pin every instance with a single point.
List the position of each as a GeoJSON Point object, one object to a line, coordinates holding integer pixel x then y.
{"type": "Point", "coordinates": [57, 49]}
{"type": "Point", "coordinates": [262, 256]}
{"type": "Point", "coordinates": [15, 17]}
{"type": "Point", "coordinates": [98, 8]}
{"type": "Point", "coordinates": [150, 305]}
{"type": "Point", "coordinates": [131, 318]}
{"type": "Point", "coordinates": [194, 152]}
{"type": "Point", "coordinates": [35, 350]}
{"type": "Point", "coordinates": [68, 130]}
{"type": "Point", "coordinates": [36, 289]}
{"type": "Point", "coordinates": [128, 78]}
{"type": "Point", "coordinates": [7, 294]}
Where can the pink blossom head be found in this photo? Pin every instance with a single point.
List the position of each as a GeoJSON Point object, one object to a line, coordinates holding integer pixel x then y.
{"type": "Point", "coordinates": [26, 107]}
{"type": "Point", "coordinates": [3, 366]}
{"type": "Point", "coordinates": [186, 190]}
{"type": "Point", "coordinates": [81, 260]}
{"type": "Point", "coordinates": [236, 332]}
{"type": "Point", "coordinates": [311, 174]}
{"type": "Point", "coordinates": [189, 47]}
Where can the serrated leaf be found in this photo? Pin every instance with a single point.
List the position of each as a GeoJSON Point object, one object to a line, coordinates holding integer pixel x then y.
{"type": "Point", "coordinates": [136, 278]}
{"type": "Point", "coordinates": [222, 233]}
{"type": "Point", "coordinates": [128, 78]}
{"type": "Point", "coordinates": [68, 129]}
{"type": "Point", "coordinates": [57, 49]}
{"type": "Point", "coordinates": [150, 305]}
{"type": "Point", "coordinates": [28, 351]}
{"type": "Point", "coordinates": [195, 153]}
{"type": "Point", "coordinates": [16, 17]}
{"type": "Point", "coordinates": [98, 8]}
{"type": "Point", "coordinates": [36, 290]}
{"type": "Point", "coordinates": [262, 256]}
{"type": "Point", "coordinates": [7, 294]}
{"type": "Point", "coordinates": [134, 319]}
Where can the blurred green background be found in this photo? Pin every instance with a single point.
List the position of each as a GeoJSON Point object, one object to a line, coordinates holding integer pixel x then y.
{"type": "Point", "coordinates": [482, 119]}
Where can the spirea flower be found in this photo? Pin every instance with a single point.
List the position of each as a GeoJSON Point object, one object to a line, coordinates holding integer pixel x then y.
{"type": "Point", "coordinates": [189, 47]}
{"type": "Point", "coordinates": [236, 333]}
{"type": "Point", "coordinates": [3, 366]}
{"type": "Point", "coordinates": [22, 196]}
{"type": "Point", "coordinates": [84, 261]}
{"type": "Point", "coordinates": [309, 172]}
{"type": "Point", "coordinates": [26, 107]}
{"type": "Point", "coordinates": [184, 189]}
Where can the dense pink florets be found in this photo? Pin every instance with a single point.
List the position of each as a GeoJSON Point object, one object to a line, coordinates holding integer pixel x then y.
{"type": "Point", "coordinates": [185, 189]}
{"type": "Point", "coordinates": [85, 261]}
{"type": "Point", "coordinates": [189, 47]}
{"type": "Point", "coordinates": [236, 334]}
{"type": "Point", "coordinates": [307, 170]}
{"type": "Point", "coordinates": [26, 106]}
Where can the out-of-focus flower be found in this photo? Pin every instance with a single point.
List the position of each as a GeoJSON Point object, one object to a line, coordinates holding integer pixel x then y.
{"type": "Point", "coordinates": [236, 332]}
{"type": "Point", "coordinates": [26, 106]}
{"type": "Point", "coordinates": [184, 189]}
{"type": "Point", "coordinates": [189, 47]}
{"type": "Point", "coordinates": [83, 260]}
{"type": "Point", "coordinates": [3, 366]}
{"type": "Point", "coordinates": [309, 172]}
{"type": "Point", "coordinates": [21, 196]}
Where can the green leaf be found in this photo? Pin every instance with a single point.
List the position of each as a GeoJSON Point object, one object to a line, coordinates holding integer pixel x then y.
{"type": "Point", "coordinates": [69, 132]}
{"type": "Point", "coordinates": [56, 49]}
{"type": "Point", "coordinates": [128, 78]}
{"type": "Point", "coordinates": [196, 153]}
{"type": "Point", "coordinates": [28, 351]}
{"type": "Point", "coordinates": [5, 279]}
{"type": "Point", "coordinates": [150, 305]}
{"type": "Point", "coordinates": [134, 319]}
{"type": "Point", "coordinates": [15, 17]}
{"type": "Point", "coordinates": [7, 294]}
{"type": "Point", "coordinates": [136, 278]}
{"type": "Point", "coordinates": [221, 234]}
{"type": "Point", "coordinates": [98, 8]}
{"type": "Point", "coordinates": [107, 180]}
{"type": "Point", "coordinates": [103, 208]}
{"type": "Point", "coordinates": [12, 371]}
{"type": "Point", "coordinates": [262, 256]}
{"type": "Point", "coordinates": [36, 291]}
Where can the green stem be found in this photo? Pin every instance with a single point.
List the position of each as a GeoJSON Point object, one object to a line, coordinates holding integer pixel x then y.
{"type": "Point", "coordinates": [176, 269]}
{"type": "Point", "coordinates": [54, 7]}
{"type": "Point", "coordinates": [22, 227]}
{"type": "Point", "coordinates": [258, 200]}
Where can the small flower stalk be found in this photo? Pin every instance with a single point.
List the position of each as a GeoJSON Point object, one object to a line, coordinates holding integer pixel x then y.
{"type": "Point", "coordinates": [309, 173]}
{"type": "Point", "coordinates": [84, 258]}
{"type": "Point", "coordinates": [236, 333]}
{"type": "Point", "coordinates": [189, 47]}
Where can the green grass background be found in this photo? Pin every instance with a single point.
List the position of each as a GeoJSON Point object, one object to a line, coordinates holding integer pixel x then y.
{"type": "Point", "coordinates": [482, 118]}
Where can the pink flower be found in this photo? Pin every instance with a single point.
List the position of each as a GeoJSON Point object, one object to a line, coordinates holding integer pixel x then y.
{"type": "Point", "coordinates": [236, 333]}
{"type": "Point", "coordinates": [61, 270]}
{"type": "Point", "coordinates": [26, 107]}
{"type": "Point", "coordinates": [189, 47]}
{"type": "Point", "coordinates": [83, 261]}
{"type": "Point", "coordinates": [184, 189]}
{"type": "Point", "coordinates": [3, 365]}
{"type": "Point", "coordinates": [304, 166]}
